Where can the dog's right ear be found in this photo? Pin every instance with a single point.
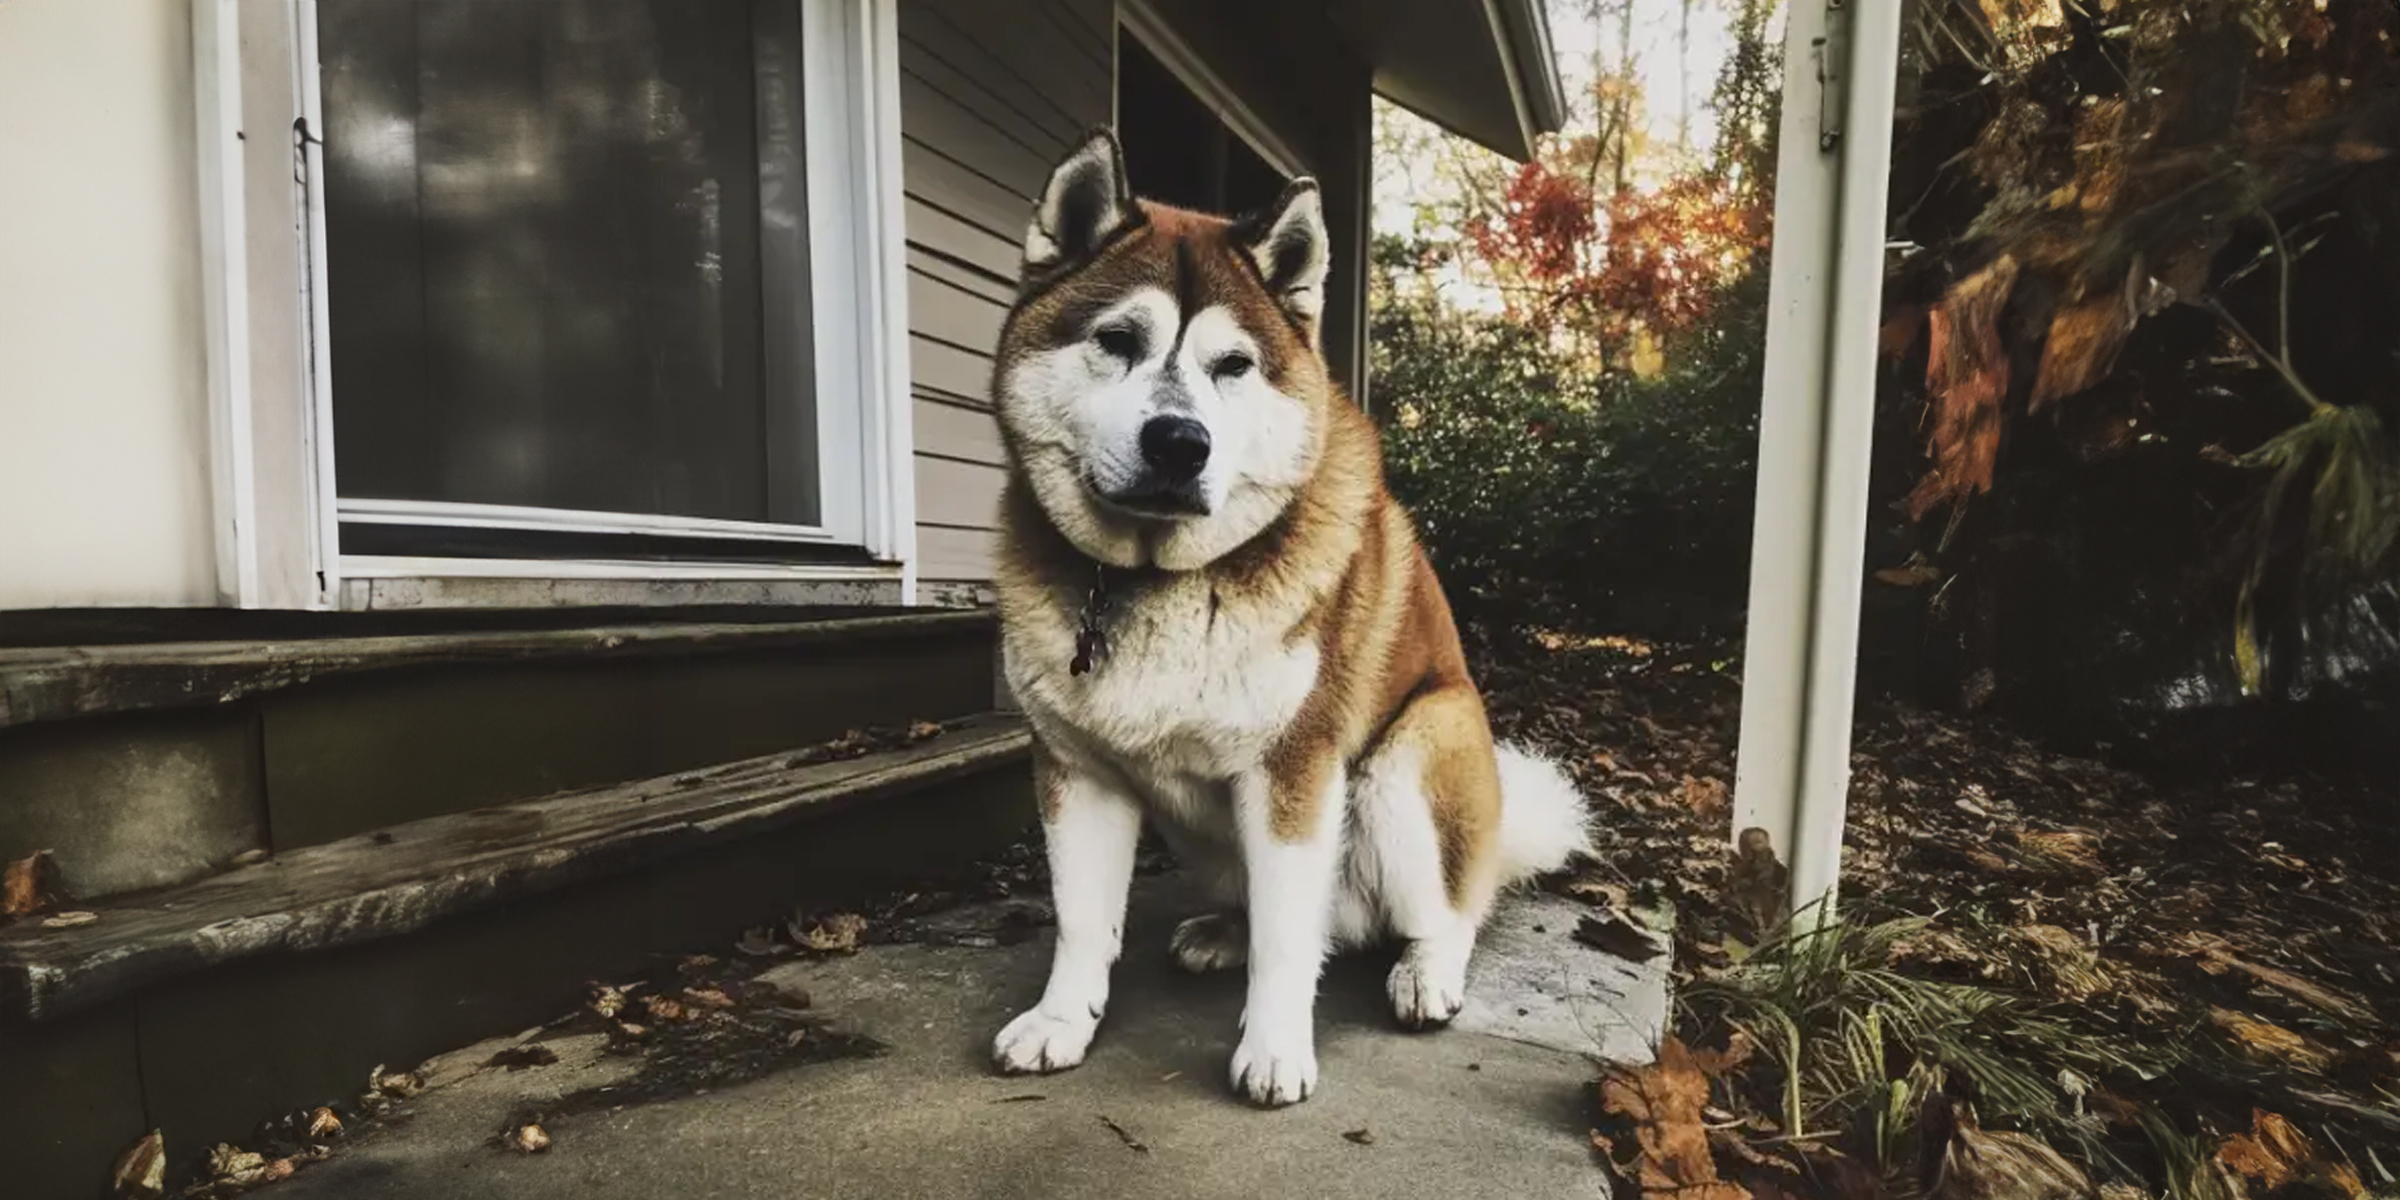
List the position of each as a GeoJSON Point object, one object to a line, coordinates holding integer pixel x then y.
{"type": "Point", "coordinates": [1086, 202]}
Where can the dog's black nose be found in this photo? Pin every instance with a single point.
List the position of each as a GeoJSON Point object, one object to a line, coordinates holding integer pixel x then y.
{"type": "Point", "coordinates": [1175, 447]}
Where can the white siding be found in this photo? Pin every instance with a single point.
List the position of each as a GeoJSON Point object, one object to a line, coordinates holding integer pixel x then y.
{"type": "Point", "coordinates": [104, 486]}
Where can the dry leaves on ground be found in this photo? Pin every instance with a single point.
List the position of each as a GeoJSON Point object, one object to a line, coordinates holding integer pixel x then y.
{"type": "Point", "coordinates": [1664, 1103]}
{"type": "Point", "coordinates": [837, 934]}
{"type": "Point", "coordinates": [141, 1172]}
{"type": "Point", "coordinates": [29, 886]}
{"type": "Point", "coordinates": [2274, 1155]}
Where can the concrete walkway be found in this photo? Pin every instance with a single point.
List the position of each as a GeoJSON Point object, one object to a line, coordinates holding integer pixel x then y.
{"type": "Point", "coordinates": [1497, 1106]}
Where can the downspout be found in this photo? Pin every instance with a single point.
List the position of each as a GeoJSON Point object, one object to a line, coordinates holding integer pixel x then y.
{"type": "Point", "coordinates": [1816, 435]}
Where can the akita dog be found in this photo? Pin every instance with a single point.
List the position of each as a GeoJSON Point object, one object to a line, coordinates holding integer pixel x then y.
{"type": "Point", "coordinates": [1217, 619]}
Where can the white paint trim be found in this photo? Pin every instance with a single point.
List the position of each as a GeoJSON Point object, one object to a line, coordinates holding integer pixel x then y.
{"type": "Point", "coordinates": [367, 566]}
{"type": "Point", "coordinates": [225, 296]}
{"type": "Point", "coordinates": [886, 350]}
{"type": "Point", "coordinates": [1161, 40]}
{"type": "Point", "coordinates": [568, 520]}
{"type": "Point", "coordinates": [1816, 431]}
{"type": "Point", "coordinates": [309, 151]}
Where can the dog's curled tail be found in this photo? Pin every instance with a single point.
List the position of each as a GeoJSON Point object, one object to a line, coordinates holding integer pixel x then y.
{"type": "Point", "coordinates": [1543, 819]}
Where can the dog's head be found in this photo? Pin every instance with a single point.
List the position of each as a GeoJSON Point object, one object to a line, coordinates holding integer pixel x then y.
{"type": "Point", "coordinates": [1159, 381]}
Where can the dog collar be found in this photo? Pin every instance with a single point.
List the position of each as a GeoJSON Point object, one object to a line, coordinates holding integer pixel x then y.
{"type": "Point", "coordinates": [1091, 631]}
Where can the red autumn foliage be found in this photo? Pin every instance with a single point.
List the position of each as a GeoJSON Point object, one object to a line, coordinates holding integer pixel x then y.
{"type": "Point", "coordinates": [1654, 260]}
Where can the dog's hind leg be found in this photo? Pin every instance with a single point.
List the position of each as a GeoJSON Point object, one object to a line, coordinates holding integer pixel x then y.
{"type": "Point", "coordinates": [1427, 808]}
{"type": "Point", "coordinates": [1219, 939]}
{"type": "Point", "coordinates": [1091, 829]}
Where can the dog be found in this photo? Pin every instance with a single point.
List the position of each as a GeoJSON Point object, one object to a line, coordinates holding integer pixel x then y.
{"type": "Point", "coordinates": [1218, 621]}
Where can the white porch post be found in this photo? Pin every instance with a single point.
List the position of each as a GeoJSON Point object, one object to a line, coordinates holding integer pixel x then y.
{"type": "Point", "coordinates": [1816, 429]}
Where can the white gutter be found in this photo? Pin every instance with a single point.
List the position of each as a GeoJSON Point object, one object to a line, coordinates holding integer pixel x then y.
{"type": "Point", "coordinates": [1816, 433]}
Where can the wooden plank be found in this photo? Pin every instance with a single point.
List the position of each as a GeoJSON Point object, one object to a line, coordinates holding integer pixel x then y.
{"type": "Point", "coordinates": [939, 231]}
{"type": "Point", "coordinates": [970, 279]}
{"type": "Point", "coordinates": [405, 878]}
{"type": "Point", "coordinates": [958, 494]}
{"type": "Point", "coordinates": [1048, 68]}
{"type": "Point", "coordinates": [1091, 22]}
{"type": "Point", "coordinates": [957, 130]}
{"type": "Point", "coordinates": [950, 370]}
{"type": "Point", "coordinates": [950, 314]}
{"type": "Point", "coordinates": [974, 74]}
{"type": "Point", "coordinates": [50, 683]}
{"type": "Point", "coordinates": [951, 186]}
{"type": "Point", "coordinates": [944, 553]}
{"type": "Point", "coordinates": [958, 431]}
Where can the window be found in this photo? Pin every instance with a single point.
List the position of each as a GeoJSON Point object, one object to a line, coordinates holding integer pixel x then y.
{"type": "Point", "coordinates": [592, 280]}
{"type": "Point", "coordinates": [1179, 148]}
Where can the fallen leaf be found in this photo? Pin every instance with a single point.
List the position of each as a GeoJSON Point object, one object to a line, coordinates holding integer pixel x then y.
{"type": "Point", "coordinates": [2268, 1042]}
{"type": "Point", "coordinates": [628, 1031]}
{"type": "Point", "coordinates": [837, 934]}
{"type": "Point", "coordinates": [2275, 1154]}
{"type": "Point", "coordinates": [250, 858]}
{"type": "Point", "coordinates": [1363, 1137]}
{"type": "Point", "coordinates": [527, 1139]}
{"type": "Point", "coordinates": [29, 886]}
{"type": "Point", "coordinates": [1665, 1101]}
{"type": "Point", "coordinates": [664, 1010]}
{"type": "Point", "coordinates": [233, 1167]}
{"type": "Point", "coordinates": [695, 964]}
{"type": "Point", "coordinates": [70, 920]}
{"type": "Point", "coordinates": [706, 998]}
{"type": "Point", "coordinates": [1972, 1164]}
{"type": "Point", "coordinates": [1616, 936]}
{"type": "Point", "coordinates": [609, 1001]}
{"type": "Point", "coordinates": [324, 1123]}
{"type": "Point", "coordinates": [2313, 994]}
{"type": "Point", "coordinates": [924, 731]}
{"type": "Point", "coordinates": [398, 1085]}
{"type": "Point", "coordinates": [141, 1172]}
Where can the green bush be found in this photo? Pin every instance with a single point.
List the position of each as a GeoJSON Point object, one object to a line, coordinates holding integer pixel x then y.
{"type": "Point", "coordinates": [1552, 494]}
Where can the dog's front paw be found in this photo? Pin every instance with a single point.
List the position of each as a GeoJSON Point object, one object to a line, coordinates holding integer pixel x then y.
{"type": "Point", "coordinates": [1425, 993]}
{"type": "Point", "coordinates": [1037, 1042]}
{"type": "Point", "coordinates": [1274, 1075]}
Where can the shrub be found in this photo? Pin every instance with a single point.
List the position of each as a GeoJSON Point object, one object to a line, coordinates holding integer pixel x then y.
{"type": "Point", "coordinates": [1551, 493]}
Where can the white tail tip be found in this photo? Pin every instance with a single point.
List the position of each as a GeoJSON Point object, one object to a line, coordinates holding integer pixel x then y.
{"type": "Point", "coordinates": [1543, 818]}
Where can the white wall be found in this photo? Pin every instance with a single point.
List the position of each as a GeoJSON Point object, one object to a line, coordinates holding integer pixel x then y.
{"type": "Point", "coordinates": [104, 486]}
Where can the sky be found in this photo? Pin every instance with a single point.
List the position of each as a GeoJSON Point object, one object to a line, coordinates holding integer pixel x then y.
{"type": "Point", "coordinates": [1676, 79]}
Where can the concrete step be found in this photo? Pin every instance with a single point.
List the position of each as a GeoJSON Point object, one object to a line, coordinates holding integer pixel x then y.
{"type": "Point", "coordinates": [146, 763]}
{"type": "Point", "coordinates": [1496, 1106]}
{"type": "Point", "coordinates": [209, 1005]}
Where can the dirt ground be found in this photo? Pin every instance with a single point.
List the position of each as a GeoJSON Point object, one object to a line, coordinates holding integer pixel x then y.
{"type": "Point", "coordinates": [2233, 939]}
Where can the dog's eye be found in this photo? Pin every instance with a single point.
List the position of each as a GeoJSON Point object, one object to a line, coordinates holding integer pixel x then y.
{"type": "Point", "coordinates": [1232, 366]}
{"type": "Point", "coordinates": [1120, 342]}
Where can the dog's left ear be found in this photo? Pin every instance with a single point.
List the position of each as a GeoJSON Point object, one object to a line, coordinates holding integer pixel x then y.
{"type": "Point", "coordinates": [1288, 241]}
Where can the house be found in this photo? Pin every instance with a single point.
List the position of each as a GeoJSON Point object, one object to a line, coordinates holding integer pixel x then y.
{"type": "Point", "coordinates": [452, 453]}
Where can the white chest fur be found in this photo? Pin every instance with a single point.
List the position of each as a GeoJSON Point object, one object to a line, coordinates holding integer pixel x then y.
{"type": "Point", "coordinates": [1192, 691]}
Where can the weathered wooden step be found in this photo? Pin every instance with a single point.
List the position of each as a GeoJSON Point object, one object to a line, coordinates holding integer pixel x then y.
{"type": "Point", "coordinates": [55, 682]}
{"type": "Point", "coordinates": [403, 878]}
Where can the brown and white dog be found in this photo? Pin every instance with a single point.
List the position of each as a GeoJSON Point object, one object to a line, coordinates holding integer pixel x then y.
{"type": "Point", "coordinates": [1216, 617]}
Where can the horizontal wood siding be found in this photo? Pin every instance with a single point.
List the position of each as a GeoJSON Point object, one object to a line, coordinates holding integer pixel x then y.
{"type": "Point", "coordinates": [992, 92]}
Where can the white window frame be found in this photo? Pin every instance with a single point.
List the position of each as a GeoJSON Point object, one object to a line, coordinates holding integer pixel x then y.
{"type": "Point", "coordinates": [858, 312]}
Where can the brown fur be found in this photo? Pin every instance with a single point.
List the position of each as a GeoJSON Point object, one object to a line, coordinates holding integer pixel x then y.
{"type": "Point", "coordinates": [1341, 567]}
